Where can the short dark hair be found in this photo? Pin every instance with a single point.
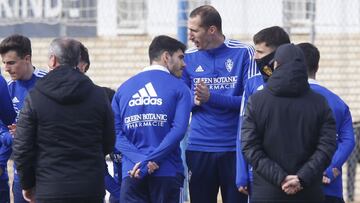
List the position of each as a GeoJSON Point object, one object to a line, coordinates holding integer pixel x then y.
{"type": "Point", "coordinates": [18, 43]}
{"type": "Point", "coordinates": [312, 57]}
{"type": "Point", "coordinates": [163, 43]}
{"type": "Point", "coordinates": [272, 36]}
{"type": "Point", "coordinates": [209, 16]}
{"type": "Point", "coordinates": [66, 50]}
{"type": "Point", "coordinates": [84, 56]}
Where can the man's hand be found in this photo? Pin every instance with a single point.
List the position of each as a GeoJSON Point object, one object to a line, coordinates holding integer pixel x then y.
{"type": "Point", "coordinates": [202, 93]}
{"type": "Point", "coordinates": [12, 129]}
{"type": "Point", "coordinates": [326, 180]}
{"type": "Point", "coordinates": [29, 195]}
{"type": "Point", "coordinates": [152, 167]}
{"type": "Point", "coordinates": [291, 185]}
{"type": "Point", "coordinates": [244, 190]}
{"type": "Point", "coordinates": [135, 172]}
{"type": "Point", "coordinates": [335, 172]}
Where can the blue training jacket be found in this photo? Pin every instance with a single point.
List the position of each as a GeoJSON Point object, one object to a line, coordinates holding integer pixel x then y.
{"type": "Point", "coordinates": [7, 113]}
{"type": "Point", "coordinates": [7, 117]}
{"type": "Point", "coordinates": [225, 71]}
{"type": "Point", "coordinates": [243, 170]}
{"type": "Point", "coordinates": [18, 90]}
{"type": "Point", "coordinates": [152, 111]}
{"type": "Point", "coordinates": [345, 138]}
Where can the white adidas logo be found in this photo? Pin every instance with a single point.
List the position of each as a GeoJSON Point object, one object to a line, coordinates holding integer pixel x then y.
{"type": "Point", "coordinates": [145, 96]}
{"type": "Point", "coordinates": [199, 69]}
{"type": "Point", "coordinates": [15, 100]}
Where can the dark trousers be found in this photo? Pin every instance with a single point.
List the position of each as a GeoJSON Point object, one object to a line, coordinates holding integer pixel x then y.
{"type": "Point", "coordinates": [17, 191]}
{"type": "Point", "coordinates": [71, 200]}
{"type": "Point", "coordinates": [4, 196]}
{"type": "Point", "coordinates": [332, 199]}
{"type": "Point", "coordinates": [210, 170]}
{"type": "Point", "coordinates": [152, 189]}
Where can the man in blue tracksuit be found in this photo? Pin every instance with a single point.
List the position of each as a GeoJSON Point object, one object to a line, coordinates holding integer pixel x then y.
{"type": "Point", "coordinates": [266, 42]}
{"type": "Point", "coordinates": [152, 111]}
{"type": "Point", "coordinates": [332, 179]}
{"type": "Point", "coordinates": [15, 52]}
{"type": "Point", "coordinates": [216, 72]}
{"type": "Point", "coordinates": [7, 117]}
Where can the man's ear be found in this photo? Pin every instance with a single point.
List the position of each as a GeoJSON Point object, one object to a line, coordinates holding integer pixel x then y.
{"type": "Point", "coordinates": [52, 61]}
{"type": "Point", "coordinates": [165, 56]}
{"type": "Point", "coordinates": [27, 58]}
{"type": "Point", "coordinates": [212, 29]}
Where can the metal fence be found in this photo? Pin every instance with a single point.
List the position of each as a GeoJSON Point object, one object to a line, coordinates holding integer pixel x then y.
{"type": "Point", "coordinates": [332, 25]}
{"type": "Point", "coordinates": [351, 176]}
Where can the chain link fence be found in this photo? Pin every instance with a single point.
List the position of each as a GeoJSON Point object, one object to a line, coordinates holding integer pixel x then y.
{"type": "Point", "coordinates": [118, 32]}
{"type": "Point", "coordinates": [351, 177]}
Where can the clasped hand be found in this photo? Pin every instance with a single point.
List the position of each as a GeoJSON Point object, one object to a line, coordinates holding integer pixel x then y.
{"type": "Point", "coordinates": [291, 185]}
{"type": "Point", "coordinates": [135, 172]}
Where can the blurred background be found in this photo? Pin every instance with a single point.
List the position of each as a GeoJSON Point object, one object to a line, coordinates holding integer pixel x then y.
{"type": "Point", "coordinates": [118, 32]}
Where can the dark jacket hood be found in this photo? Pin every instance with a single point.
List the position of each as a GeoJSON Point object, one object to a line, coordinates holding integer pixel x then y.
{"type": "Point", "coordinates": [290, 77]}
{"type": "Point", "coordinates": [65, 85]}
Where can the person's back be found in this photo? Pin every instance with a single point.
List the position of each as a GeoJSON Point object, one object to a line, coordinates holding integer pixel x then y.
{"type": "Point", "coordinates": [156, 110]}
{"type": "Point", "coordinates": [288, 129]}
{"type": "Point", "coordinates": [64, 132]}
{"type": "Point", "coordinates": [69, 138]}
{"type": "Point", "coordinates": [332, 178]}
{"type": "Point", "coordinates": [152, 111]}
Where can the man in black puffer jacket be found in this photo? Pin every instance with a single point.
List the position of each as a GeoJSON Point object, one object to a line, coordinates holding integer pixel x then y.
{"type": "Point", "coordinates": [65, 129]}
{"type": "Point", "coordinates": [288, 134]}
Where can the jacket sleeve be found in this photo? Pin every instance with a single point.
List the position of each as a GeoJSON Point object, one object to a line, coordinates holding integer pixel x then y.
{"type": "Point", "coordinates": [122, 144]}
{"type": "Point", "coordinates": [5, 136]}
{"type": "Point", "coordinates": [251, 142]}
{"type": "Point", "coordinates": [242, 177]}
{"type": "Point", "coordinates": [225, 101]}
{"type": "Point", "coordinates": [324, 151]}
{"type": "Point", "coordinates": [109, 131]}
{"type": "Point", "coordinates": [110, 184]}
{"type": "Point", "coordinates": [175, 135]}
{"type": "Point", "coordinates": [7, 112]}
{"type": "Point", "coordinates": [346, 143]}
{"type": "Point", "coordinates": [24, 149]}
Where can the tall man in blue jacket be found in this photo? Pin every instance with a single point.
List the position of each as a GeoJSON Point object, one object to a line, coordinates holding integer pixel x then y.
{"type": "Point", "coordinates": [216, 72]}
{"type": "Point", "coordinates": [152, 111]}
{"type": "Point", "coordinates": [345, 133]}
{"type": "Point", "coordinates": [16, 56]}
{"type": "Point", "coordinates": [7, 117]}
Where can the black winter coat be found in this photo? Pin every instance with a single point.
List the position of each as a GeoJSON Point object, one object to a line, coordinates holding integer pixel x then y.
{"type": "Point", "coordinates": [288, 130]}
{"type": "Point", "coordinates": [65, 129]}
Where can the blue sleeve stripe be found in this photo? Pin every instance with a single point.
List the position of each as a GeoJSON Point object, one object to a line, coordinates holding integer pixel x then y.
{"type": "Point", "coordinates": [191, 50]}
{"type": "Point", "coordinates": [39, 73]}
{"type": "Point", "coordinates": [9, 82]}
{"type": "Point", "coordinates": [252, 66]}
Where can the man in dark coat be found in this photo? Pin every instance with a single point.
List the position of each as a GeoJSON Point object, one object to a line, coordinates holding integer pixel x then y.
{"type": "Point", "coordinates": [65, 129]}
{"type": "Point", "coordinates": [288, 134]}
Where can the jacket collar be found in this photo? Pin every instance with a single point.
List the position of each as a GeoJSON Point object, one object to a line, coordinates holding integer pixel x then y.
{"type": "Point", "coordinates": [156, 67]}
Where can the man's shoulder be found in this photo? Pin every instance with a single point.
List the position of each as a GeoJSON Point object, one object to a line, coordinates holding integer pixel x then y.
{"type": "Point", "coordinates": [239, 47]}
{"type": "Point", "coordinates": [39, 73]}
{"type": "Point", "coordinates": [328, 94]}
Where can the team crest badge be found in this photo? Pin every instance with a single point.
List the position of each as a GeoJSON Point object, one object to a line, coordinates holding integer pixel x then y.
{"type": "Point", "coordinates": [229, 64]}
